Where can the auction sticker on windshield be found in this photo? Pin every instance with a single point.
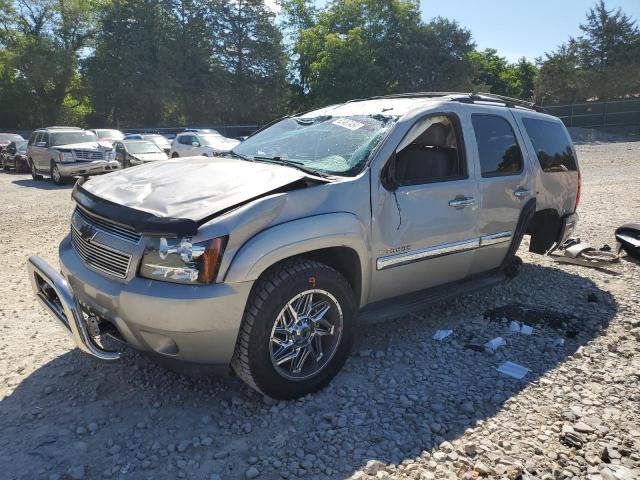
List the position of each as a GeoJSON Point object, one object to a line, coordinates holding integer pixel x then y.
{"type": "Point", "coordinates": [350, 124]}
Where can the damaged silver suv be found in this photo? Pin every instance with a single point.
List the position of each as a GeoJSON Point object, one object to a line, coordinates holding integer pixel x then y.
{"type": "Point", "coordinates": [265, 257]}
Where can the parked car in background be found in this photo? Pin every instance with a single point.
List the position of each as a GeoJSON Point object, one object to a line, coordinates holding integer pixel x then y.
{"type": "Point", "coordinates": [107, 135]}
{"type": "Point", "coordinates": [7, 138]}
{"type": "Point", "coordinates": [15, 156]}
{"type": "Point", "coordinates": [137, 152]}
{"type": "Point", "coordinates": [208, 144]}
{"type": "Point", "coordinates": [65, 152]}
{"type": "Point", "coordinates": [263, 257]}
{"type": "Point", "coordinates": [160, 140]}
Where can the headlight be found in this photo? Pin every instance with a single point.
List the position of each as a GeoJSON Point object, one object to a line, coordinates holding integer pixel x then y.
{"type": "Point", "coordinates": [65, 157]}
{"type": "Point", "coordinates": [181, 261]}
{"type": "Point", "coordinates": [109, 155]}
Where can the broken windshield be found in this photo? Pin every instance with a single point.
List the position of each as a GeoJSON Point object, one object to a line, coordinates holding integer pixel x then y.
{"type": "Point", "coordinates": [332, 145]}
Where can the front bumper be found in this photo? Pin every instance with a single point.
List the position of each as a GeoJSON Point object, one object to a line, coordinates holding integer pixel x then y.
{"type": "Point", "coordinates": [197, 324]}
{"type": "Point", "coordinates": [96, 167]}
{"type": "Point", "coordinates": [55, 294]}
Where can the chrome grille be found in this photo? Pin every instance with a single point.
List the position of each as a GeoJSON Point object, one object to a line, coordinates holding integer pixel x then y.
{"type": "Point", "coordinates": [119, 231]}
{"type": "Point", "coordinates": [88, 155]}
{"type": "Point", "coordinates": [100, 257]}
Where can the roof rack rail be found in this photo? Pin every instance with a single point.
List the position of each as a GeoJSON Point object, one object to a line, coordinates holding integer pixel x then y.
{"type": "Point", "coordinates": [509, 102]}
{"type": "Point", "coordinates": [63, 127]}
{"type": "Point", "coordinates": [463, 97]}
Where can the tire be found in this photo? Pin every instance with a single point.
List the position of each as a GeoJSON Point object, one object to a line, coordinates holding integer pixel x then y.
{"type": "Point", "coordinates": [175, 155]}
{"type": "Point", "coordinates": [269, 336]}
{"type": "Point", "coordinates": [34, 173]}
{"type": "Point", "coordinates": [56, 177]}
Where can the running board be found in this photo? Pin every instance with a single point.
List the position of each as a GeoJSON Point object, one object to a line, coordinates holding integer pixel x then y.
{"type": "Point", "coordinates": [399, 306]}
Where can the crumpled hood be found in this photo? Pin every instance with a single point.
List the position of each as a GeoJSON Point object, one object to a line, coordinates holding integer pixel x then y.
{"type": "Point", "coordinates": [191, 188]}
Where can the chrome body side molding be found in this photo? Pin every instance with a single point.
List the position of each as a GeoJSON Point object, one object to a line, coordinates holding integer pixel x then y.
{"type": "Point", "coordinates": [495, 238]}
{"type": "Point", "coordinates": [412, 256]}
{"type": "Point", "coordinates": [426, 253]}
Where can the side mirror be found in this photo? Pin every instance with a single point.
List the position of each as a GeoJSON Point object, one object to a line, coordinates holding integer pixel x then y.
{"type": "Point", "coordinates": [195, 144]}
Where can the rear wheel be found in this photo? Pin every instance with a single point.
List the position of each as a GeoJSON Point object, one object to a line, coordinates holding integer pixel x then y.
{"type": "Point", "coordinates": [175, 155]}
{"type": "Point", "coordinates": [57, 178]}
{"type": "Point", "coordinates": [297, 330]}
{"type": "Point", "coordinates": [34, 172]}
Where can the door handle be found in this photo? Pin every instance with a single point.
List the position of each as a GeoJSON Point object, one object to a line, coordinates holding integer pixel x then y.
{"type": "Point", "coordinates": [522, 192]}
{"type": "Point", "coordinates": [461, 202]}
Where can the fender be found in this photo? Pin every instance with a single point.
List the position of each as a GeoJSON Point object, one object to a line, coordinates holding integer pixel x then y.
{"type": "Point", "coordinates": [293, 238]}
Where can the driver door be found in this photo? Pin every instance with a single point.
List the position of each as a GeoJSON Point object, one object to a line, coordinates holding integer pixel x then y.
{"type": "Point", "coordinates": [425, 224]}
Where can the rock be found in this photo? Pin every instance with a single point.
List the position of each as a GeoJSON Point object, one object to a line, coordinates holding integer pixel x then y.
{"type": "Point", "coordinates": [372, 467]}
{"type": "Point", "coordinates": [468, 408]}
{"type": "Point", "coordinates": [76, 472]}
{"type": "Point", "coordinates": [252, 472]}
{"type": "Point", "coordinates": [482, 468]}
{"type": "Point", "coordinates": [470, 450]}
{"type": "Point", "coordinates": [583, 427]}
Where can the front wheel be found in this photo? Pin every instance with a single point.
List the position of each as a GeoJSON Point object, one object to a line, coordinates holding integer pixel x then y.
{"type": "Point", "coordinates": [34, 172]}
{"type": "Point", "coordinates": [297, 331]}
{"type": "Point", "coordinates": [57, 178]}
{"type": "Point", "coordinates": [175, 155]}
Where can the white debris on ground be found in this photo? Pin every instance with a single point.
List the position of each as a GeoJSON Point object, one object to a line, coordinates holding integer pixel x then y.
{"type": "Point", "coordinates": [406, 406]}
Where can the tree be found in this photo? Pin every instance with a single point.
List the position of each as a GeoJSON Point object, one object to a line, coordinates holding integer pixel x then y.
{"type": "Point", "coordinates": [46, 38]}
{"type": "Point", "coordinates": [603, 63]}
{"type": "Point", "coordinates": [250, 49]}
{"type": "Point", "coordinates": [609, 51]}
{"type": "Point", "coordinates": [128, 76]}
{"type": "Point", "coordinates": [360, 48]}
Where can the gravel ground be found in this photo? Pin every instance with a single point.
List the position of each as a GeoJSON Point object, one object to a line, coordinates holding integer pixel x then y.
{"type": "Point", "coordinates": [405, 405]}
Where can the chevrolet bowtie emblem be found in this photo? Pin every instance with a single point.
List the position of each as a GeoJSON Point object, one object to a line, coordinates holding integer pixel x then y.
{"type": "Point", "coordinates": [87, 232]}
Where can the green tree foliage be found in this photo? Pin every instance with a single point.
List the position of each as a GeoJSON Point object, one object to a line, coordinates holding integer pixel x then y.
{"type": "Point", "coordinates": [603, 63]}
{"type": "Point", "coordinates": [358, 48]}
{"type": "Point", "coordinates": [494, 74]}
{"type": "Point", "coordinates": [42, 41]}
{"type": "Point", "coordinates": [129, 63]}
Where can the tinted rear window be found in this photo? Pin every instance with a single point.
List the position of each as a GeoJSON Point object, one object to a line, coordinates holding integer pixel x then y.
{"type": "Point", "coordinates": [497, 146]}
{"type": "Point", "coordinates": [552, 145]}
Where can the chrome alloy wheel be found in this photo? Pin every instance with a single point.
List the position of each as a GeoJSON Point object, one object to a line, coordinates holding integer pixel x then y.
{"type": "Point", "coordinates": [306, 334]}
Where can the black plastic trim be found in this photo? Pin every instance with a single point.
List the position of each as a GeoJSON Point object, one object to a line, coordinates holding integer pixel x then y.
{"type": "Point", "coordinates": [144, 223]}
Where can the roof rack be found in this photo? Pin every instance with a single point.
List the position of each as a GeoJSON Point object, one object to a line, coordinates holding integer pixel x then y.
{"type": "Point", "coordinates": [464, 97]}
{"type": "Point", "coordinates": [62, 127]}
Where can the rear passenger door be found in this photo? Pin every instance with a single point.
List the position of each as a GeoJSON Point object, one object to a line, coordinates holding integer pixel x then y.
{"type": "Point", "coordinates": [505, 182]}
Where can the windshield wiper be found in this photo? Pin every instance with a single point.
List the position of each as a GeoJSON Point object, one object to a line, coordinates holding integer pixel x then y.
{"type": "Point", "coordinates": [237, 155]}
{"type": "Point", "coordinates": [291, 163]}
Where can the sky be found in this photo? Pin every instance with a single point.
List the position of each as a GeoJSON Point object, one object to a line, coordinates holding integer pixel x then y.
{"type": "Point", "coordinates": [517, 28]}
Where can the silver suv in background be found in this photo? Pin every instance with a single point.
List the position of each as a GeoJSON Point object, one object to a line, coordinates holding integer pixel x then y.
{"type": "Point", "coordinates": [65, 152]}
{"type": "Point", "coordinates": [207, 143]}
{"type": "Point", "coordinates": [265, 257]}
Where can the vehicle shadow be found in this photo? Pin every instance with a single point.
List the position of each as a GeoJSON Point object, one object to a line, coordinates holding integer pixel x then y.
{"type": "Point", "coordinates": [44, 184]}
{"type": "Point", "coordinates": [401, 393]}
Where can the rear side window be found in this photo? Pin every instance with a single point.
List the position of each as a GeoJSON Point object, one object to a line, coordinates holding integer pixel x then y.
{"type": "Point", "coordinates": [497, 146]}
{"type": "Point", "coordinates": [552, 145]}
